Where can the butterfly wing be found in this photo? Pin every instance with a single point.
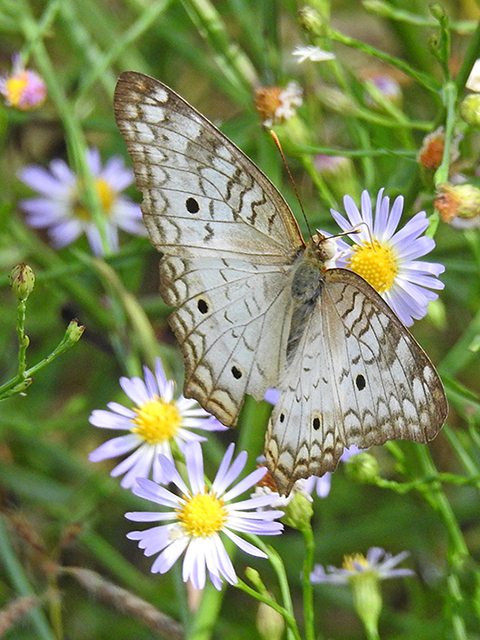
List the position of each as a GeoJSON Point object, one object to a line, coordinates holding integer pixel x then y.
{"type": "Point", "coordinates": [228, 238]}
{"type": "Point", "coordinates": [357, 377]}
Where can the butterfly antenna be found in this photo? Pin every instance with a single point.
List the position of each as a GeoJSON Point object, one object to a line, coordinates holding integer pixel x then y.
{"type": "Point", "coordinates": [280, 150]}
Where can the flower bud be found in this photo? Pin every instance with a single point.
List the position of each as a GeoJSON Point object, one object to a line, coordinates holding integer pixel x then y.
{"type": "Point", "coordinates": [470, 109]}
{"type": "Point", "coordinates": [462, 201]}
{"type": "Point", "coordinates": [312, 21]}
{"type": "Point", "coordinates": [298, 512]}
{"type": "Point", "coordinates": [22, 280]}
{"type": "Point", "coordinates": [270, 623]}
{"type": "Point", "coordinates": [74, 331]}
{"type": "Point", "coordinates": [362, 467]}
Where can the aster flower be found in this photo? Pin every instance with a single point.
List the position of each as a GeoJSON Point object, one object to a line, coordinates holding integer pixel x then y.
{"type": "Point", "coordinates": [199, 515]}
{"type": "Point", "coordinates": [315, 54]}
{"type": "Point", "coordinates": [60, 209]}
{"type": "Point", "coordinates": [155, 424]}
{"type": "Point", "coordinates": [22, 88]}
{"type": "Point", "coordinates": [356, 565]}
{"type": "Point", "coordinates": [386, 258]}
{"type": "Point", "coordinates": [363, 574]}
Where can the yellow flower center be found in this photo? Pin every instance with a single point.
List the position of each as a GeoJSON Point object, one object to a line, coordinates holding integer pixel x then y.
{"type": "Point", "coordinates": [107, 197]}
{"type": "Point", "coordinates": [349, 562]}
{"type": "Point", "coordinates": [203, 515]}
{"type": "Point", "coordinates": [15, 87]}
{"type": "Point", "coordinates": [376, 263]}
{"type": "Point", "coordinates": [157, 421]}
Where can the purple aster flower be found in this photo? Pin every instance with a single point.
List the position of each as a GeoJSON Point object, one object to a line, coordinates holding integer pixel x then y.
{"type": "Point", "coordinates": [22, 88]}
{"type": "Point", "coordinates": [196, 518]}
{"type": "Point", "coordinates": [377, 562]}
{"type": "Point", "coordinates": [155, 424]}
{"type": "Point", "coordinates": [386, 258]}
{"type": "Point", "coordinates": [60, 208]}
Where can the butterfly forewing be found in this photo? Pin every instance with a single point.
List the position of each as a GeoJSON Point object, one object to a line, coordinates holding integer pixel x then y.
{"type": "Point", "coordinates": [233, 265]}
{"type": "Point", "coordinates": [201, 194]}
{"type": "Point", "coordinates": [228, 238]}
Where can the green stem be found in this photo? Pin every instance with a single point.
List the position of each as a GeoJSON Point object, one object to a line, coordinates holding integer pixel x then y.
{"type": "Point", "coordinates": [309, 614]}
{"type": "Point", "coordinates": [23, 340]}
{"type": "Point", "coordinates": [287, 616]}
{"type": "Point", "coordinates": [450, 99]}
{"type": "Point", "coordinates": [418, 76]}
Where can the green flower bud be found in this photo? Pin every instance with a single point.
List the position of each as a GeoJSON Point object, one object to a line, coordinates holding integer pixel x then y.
{"type": "Point", "coordinates": [74, 331]}
{"type": "Point", "coordinates": [362, 467]}
{"type": "Point", "coordinates": [270, 623]}
{"type": "Point", "coordinates": [470, 109]}
{"type": "Point", "coordinates": [22, 280]}
{"type": "Point", "coordinates": [298, 512]}
{"type": "Point", "coordinates": [312, 21]}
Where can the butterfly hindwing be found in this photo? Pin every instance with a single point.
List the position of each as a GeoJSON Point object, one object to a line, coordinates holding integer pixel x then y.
{"type": "Point", "coordinates": [232, 324]}
{"type": "Point", "coordinates": [357, 377]}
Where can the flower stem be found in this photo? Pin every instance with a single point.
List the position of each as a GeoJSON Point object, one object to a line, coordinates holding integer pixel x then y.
{"type": "Point", "coordinates": [306, 582]}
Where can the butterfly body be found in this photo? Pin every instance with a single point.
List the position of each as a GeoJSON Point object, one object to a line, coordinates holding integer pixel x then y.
{"type": "Point", "coordinates": [257, 308]}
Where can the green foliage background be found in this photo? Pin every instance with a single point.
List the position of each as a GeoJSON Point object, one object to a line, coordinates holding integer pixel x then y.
{"type": "Point", "coordinates": [59, 510]}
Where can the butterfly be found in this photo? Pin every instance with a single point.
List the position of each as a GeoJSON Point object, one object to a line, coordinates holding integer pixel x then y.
{"type": "Point", "coordinates": [256, 307]}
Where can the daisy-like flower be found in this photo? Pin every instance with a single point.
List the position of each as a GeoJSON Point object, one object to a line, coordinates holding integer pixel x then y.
{"type": "Point", "coordinates": [315, 54]}
{"type": "Point", "coordinates": [22, 88]}
{"type": "Point", "coordinates": [60, 208]}
{"type": "Point", "coordinates": [199, 515]}
{"type": "Point", "coordinates": [377, 562]}
{"type": "Point", "coordinates": [363, 574]}
{"type": "Point", "coordinates": [155, 424]}
{"type": "Point", "coordinates": [386, 258]}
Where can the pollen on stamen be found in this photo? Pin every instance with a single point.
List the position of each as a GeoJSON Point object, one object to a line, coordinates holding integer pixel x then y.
{"type": "Point", "coordinates": [157, 421]}
{"type": "Point", "coordinates": [375, 263]}
{"type": "Point", "coordinates": [203, 515]}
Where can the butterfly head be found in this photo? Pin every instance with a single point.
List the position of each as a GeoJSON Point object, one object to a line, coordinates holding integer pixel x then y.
{"type": "Point", "coordinates": [324, 247]}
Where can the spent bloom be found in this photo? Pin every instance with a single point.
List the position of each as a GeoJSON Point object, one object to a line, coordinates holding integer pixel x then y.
{"type": "Point", "coordinates": [386, 258]}
{"type": "Point", "coordinates": [276, 105]}
{"type": "Point", "coordinates": [197, 518]}
{"type": "Point", "coordinates": [60, 207]}
{"type": "Point", "coordinates": [155, 424]}
{"type": "Point", "coordinates": [22, 88]}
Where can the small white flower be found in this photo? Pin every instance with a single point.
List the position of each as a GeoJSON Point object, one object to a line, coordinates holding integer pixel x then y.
{"type": "Point", "coordinates": [199, 515]}
{"type": "Point", "coordinates": [473, 82]}
{"type": "Point", "coordinates": [153, 426]}
{"type": "Point", "coordinates": [315, 54]}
